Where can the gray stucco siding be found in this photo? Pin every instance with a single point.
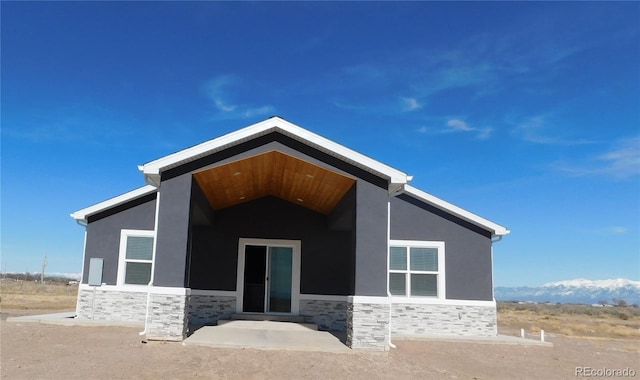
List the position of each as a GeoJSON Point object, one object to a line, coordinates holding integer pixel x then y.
{"type": "Point", "coordinates": [467, 252]}
{"type": "Point", "coordinates": [201, 212]}
{"type": "Point", "coordinates": [326, 254]}
{"type": "Point", "coordinates": [173, 232]}
{"type": "Point", "coordinates": [212, 259]}
{"type": "Point", "coordinates": [371, 240]}
{"type": "Point", "coordinates": [363, 209]}
{"type": "Point", "coordinates": [103, 234]}
{"type": "Point", "coordinates": [342, 218]}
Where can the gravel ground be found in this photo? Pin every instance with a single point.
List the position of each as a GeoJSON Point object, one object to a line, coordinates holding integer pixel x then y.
{"type": "Point", "coordinates": [39, 351]}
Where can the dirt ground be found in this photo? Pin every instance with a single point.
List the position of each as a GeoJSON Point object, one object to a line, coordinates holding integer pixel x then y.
{"type": "Point", "coordinates": [39, 351]}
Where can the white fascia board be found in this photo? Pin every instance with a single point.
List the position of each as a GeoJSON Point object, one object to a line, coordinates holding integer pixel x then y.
{"type": "Point", "coordinates": [496, 229]}
{"type": "Point", "coordinates": [333, 148]}
{"type": "Point", "coordinates": [115, 201]}
{"type": "Point", "coordinates": [154, 168]}
{"type": "Point", "coordinates": [207, 147]}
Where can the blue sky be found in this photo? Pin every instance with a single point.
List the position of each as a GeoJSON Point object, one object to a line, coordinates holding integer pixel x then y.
{"type": "Point", "coordinates": [525, 113]}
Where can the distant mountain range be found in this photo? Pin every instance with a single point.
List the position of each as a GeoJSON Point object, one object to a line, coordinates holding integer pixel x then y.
{"type": "Point", "coordinates": [574, 291]}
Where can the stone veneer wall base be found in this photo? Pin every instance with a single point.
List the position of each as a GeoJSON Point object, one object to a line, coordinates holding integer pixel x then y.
{"type": "Point", "coordinates": [208, 309]}
{"type": "Point", "coordinates": [167, 317]}
{"type": "Point", "coordinates": [368, 326]}
{"type": "Point", "coordinates": [109, 305]}
{"type": "Point", "coordinates": [328, 315]}
{"type": "Point", "coordinates": [415, 320]}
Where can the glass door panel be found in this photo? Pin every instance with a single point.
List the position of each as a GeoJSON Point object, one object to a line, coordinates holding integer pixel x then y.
{"type": "Point", "coordinates": [254, 279]}
{"type": "Point", "coordinates": [279, 279]}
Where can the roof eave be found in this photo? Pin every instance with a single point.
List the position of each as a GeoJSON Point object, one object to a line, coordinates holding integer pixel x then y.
{"type": "Point", "coordinates": [83, 214]}
{"type": "Point", "coordinates": [494, 228]}
{"type": "Point", "coordinates": [155, 168]}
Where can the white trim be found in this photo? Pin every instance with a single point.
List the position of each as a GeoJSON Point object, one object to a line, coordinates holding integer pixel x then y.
{"type": "Point", "coordinates": [124, 234]}
{"type": "Point", "coordinates": [84, 254]}
{"type": "Point", "coordinates": [323, 297]}
{"type": "Point", "coordinates": [295, 269]}
{"type": "Point", "coordinates": [115, 201]}
{"type": "Point", "coordinates": [154, 168]}
{"type": "Point", "coordinates": [319, 297]}
{"type": "Point", "coordinates": [418, 301]}
{"type": "Point", "coordinates": [496, 229]}
{"type": "Point", "coordinates": [388, 276]}
{"type": "Point", "coordinates": [369, 299]}
{"type": "Point", "coordinates": [155, 240]}
{"type": "Point", "coordinates": [217, 293]}
{"type": "Point", "coordinates": [436, 301]}
{"type": "Point", "coordinates": [441, 272]}
{"type": "Point", "coordinates": [493, 290]}
{"type": "Point", "coordinates": [138, 289]}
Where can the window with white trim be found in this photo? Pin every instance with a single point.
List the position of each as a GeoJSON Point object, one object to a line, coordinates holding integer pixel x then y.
{"type": "Point", "coordinates": [416, 269]}
{"type": "Point", "coordinates": [136, 257]}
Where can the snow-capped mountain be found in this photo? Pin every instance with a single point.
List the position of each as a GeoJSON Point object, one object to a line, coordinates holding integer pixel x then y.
{"type": "Point", "coordinates": [74, 276]}
{"type": "Point", "coordinates": [575, 291]}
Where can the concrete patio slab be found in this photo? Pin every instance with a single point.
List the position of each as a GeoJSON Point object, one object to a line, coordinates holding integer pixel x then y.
{"type": "Point", "coordinates": [68, 319]}
{"type": "Point", "coordinates": [499, 339]}
{"type": "Point", "coordinates": [269, 325]}
{"type": "Point", "coordinates": [266, 335]}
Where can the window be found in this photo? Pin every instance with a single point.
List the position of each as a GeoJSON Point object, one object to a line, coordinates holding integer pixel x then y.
{"type": "Point", "coordinates": [416, 269]}
{"type": "Point", "coordinates": [136, 257]}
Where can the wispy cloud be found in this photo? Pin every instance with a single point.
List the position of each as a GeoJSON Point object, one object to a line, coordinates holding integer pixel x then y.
{"type": "Point", "coordinates": [215, 90]}
{"type": "Point", "coordinates": [488, 63]}
{"type": "Point", "coordinates": [411, 104]}
{"type": "Point", "coordinates": [539, 130]}
{"type": "Point", "coordinates": [458, 125]}
{"type": "Point", "coordinates": [89, 124]}
{"type": "Point", "coordinates": [531, 130]}
{"type": "Point", "coordinates": [258, 111]}
{"type": "Point", "coordinates": [624, 160]}
{"type": "Point", "coordinates": [620, 162]}
{"type": "Point", "coordinates": [480, 66]}
{"type": "Point", "coordinates": [222, 106]}
{"type": "Point", "coordinates": [220, 91]}
{"type": "Point", "coordinates": [613, 230]}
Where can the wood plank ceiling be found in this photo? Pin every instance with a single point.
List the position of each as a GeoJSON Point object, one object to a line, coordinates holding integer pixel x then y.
{"type": "Point", "coordinates": [273, 173]}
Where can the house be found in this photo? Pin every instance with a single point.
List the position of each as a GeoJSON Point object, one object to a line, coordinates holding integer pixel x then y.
{"type": "Point", "coordinates": [275, 219]}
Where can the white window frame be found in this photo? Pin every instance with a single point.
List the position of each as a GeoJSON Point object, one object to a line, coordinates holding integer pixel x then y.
{"type": "Point", "coordinates": [122, 259]}
{"type": "Point", "coordinates": [441, 281]}
{"type": "Point", "coordinates": [295, 270]}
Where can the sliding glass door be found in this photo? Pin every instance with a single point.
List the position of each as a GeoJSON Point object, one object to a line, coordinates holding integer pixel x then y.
{"type": "Point", "coordinates": [280, 261]}
{"type": "Point", "coordinates": [268, 279]}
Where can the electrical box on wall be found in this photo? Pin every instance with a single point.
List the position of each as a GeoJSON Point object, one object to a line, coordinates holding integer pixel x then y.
{"type": "Point", "coordinates": [95, 271]}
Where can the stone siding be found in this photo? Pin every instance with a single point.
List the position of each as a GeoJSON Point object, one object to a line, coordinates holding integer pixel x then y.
{"type": "Point", "coordinates": [368, 326]}
{"type": "Point", "coordinates": [328, 315]}
{"type": "Point", "coordinates": [413, 320]}
{"type": "Point", "coordinates": [208, 309]}
{"type": "Point", "coordinates": [111, 305]}
{"type": "Point", "coordinates": [167, 318]}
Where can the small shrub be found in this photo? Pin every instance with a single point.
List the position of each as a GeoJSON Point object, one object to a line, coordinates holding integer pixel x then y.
{"type": "Point", "coordinates": [624, 316]}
